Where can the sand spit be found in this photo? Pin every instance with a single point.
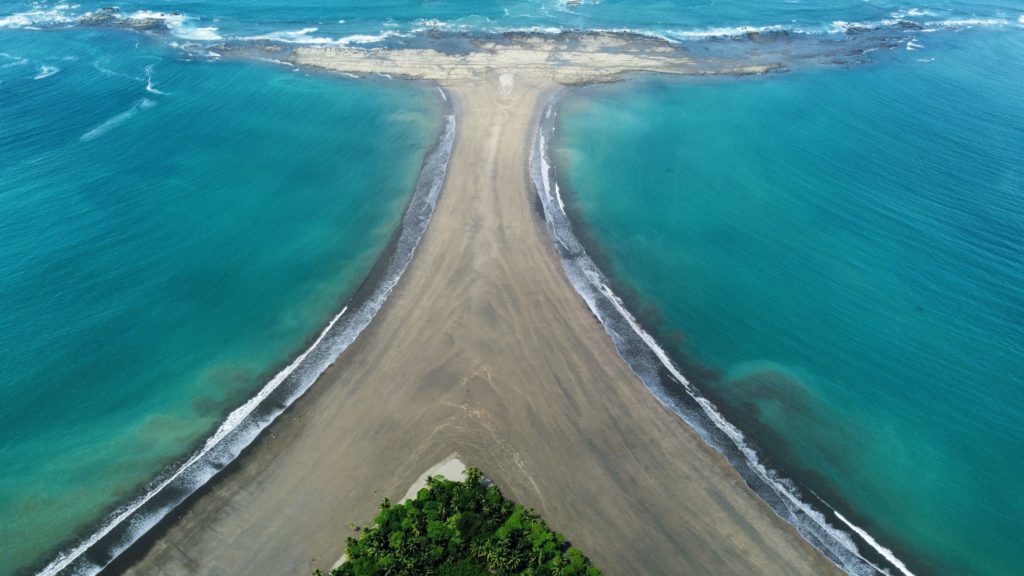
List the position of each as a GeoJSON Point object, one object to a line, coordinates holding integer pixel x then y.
{"type": "Point", "coordinates": [568, 59]}
{"type": "Point", "coordinates": [484, 350]}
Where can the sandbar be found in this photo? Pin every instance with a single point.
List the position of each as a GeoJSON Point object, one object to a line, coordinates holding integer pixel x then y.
{"type": "Point", "coordinates": [484, 349]}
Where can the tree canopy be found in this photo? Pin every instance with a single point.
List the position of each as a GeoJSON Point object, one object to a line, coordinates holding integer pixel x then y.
{"type": "Point", "coordinates": [460, 529]}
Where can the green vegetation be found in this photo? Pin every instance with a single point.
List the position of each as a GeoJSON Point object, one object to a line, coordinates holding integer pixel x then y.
{"type": "Point", "coordinates": [460, 529]}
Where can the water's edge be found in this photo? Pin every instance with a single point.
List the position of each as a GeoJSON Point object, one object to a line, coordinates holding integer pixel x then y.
{"type": "Point", "coordinates": [849, 547]}
{"type": "Point", "coordinates": [124, 526]}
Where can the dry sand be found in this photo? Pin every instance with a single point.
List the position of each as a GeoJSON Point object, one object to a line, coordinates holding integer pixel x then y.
{"type": "Point", "coordinates": [485, 350]}
{"type": "Point", "coordinates": [570, 58]}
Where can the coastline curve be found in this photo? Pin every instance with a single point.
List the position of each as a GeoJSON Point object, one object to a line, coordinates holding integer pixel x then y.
{"type": "Point", "coordinates": [664, 380]}
{"type": "Point", "coordinates": [126, 524]}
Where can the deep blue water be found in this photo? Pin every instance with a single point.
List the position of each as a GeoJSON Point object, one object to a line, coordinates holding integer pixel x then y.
{"type": "Point", "coordinates": [839, 245]}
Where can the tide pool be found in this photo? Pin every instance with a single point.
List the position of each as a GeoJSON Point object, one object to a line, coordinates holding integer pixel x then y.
{"type": "Point", "coordinates": [836, 257]}
{"type": "Point", "coordinates": [171, 233]}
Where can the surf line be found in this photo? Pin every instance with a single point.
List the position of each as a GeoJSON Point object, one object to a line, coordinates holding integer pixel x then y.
{"type": "Point", "coordinates": [659, 374]}
{"type": "Point", "coordinates": [129, 522]}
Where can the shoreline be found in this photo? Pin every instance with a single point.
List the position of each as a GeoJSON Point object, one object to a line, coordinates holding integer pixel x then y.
{"type": "Point", "coordinates": [362, 411]}
{"type": "Point", "coordinates": [641, 347]}
{"type": "Point", "coordinates": [111, 540]}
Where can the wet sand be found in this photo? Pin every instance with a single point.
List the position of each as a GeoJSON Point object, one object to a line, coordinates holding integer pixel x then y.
{"type": "Point", "coordinates": [484, 350]}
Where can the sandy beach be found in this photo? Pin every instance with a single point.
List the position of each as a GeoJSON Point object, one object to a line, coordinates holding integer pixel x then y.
{"type": "Point", "coordinates": [485, 350]}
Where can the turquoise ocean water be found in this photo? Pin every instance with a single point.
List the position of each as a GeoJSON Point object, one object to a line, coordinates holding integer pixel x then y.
{"type": "Point", "coordinates": [838, 247]}
{"type": "Point", "coordinates": [164, 250]}
{"type": "Point", "coordinates": [836, 257]}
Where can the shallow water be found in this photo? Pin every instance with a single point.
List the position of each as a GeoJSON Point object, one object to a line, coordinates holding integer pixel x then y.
{"type": "Point", "coordinates": [836, 257]}
{"type": "Point", "coordinates": [175, 226]}
{"type": "Point", "coordinates": [170, 233]}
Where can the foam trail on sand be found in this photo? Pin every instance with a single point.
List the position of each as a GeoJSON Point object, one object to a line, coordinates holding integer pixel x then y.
{"type": "Point", "coordinates": [665, 381]}
{"type": "Point", "coordinates": [128, 523]}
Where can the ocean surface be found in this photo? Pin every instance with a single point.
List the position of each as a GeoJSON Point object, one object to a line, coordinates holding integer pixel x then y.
{"type": "Point", "coordinates": [833, 255]}
{"type": "Point", "coordinates": [170, 235]}
{"type": "Point", "coordinates": [836, 258]}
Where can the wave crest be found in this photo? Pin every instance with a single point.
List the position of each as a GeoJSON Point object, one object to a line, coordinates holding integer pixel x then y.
{"type": "Point", "coordinates": [128, 523]}
{"type": "Point", "coordinates": [665, 381]}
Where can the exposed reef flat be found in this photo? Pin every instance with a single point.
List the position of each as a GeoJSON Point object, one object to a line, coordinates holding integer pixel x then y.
{"type": "Point", "coordinates": [567, 58]}
{"type": "Point", "coordinates": [113, 17]}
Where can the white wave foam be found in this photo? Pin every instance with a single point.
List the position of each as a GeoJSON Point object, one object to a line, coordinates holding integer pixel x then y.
{"type": "Point", "coordinates": [117, 120]}
{"type": "Point", "coordinates": [239, 429]}
{"type": "Point", "coordinates": [432, 23]}
{"type": "Point", "coordinates": [550, 30]}
{"type": "Point", "coordinates": [179, 25]}
{"type": "Point", "coordinates": [369, 38]}
{"type": "Point", "coordinates": [301, 36]}
{"type": "Point", "coordinates": [912, 45]}
{"type": "Point", "coordinates": [545, 168]}
{"type": "Point", "coordinates": [844, 27]}
{"type": "Point", "coordinates": [592, 286]}
{"type": "Point", "coordinates": [175, 19]}
{"type": "Point", "coordinates": [666, 36]}
{"type": "Point", "coordinates": [305, 36]}
{"type": "Point", "coordinates": [113, 73]}
{"type": "Point", "coordinates": [234, 419]}
{"type": "Point", "coordinates": [150, 87]}
{"type": "Point", "coordinates": [912, 12]}
{"type": "Point", "coordinates": [780, 486]}
{"type": "Point", "coordinates": [45, 72]}
{"type": "Point", "coordinates": [726, 32]}
{"type": "Point", "coordinates": [15, 60]}
{"type": "Point", "coordinates": [898, 19]}
{"type": "Point", "coordinates": [885, 552]}
{"type": "Point", "coordinates": [37, 17]}
{"type": "Point", "coordinates": [207, 33]}
{"type": "Point", "coordinates": [276, 61]}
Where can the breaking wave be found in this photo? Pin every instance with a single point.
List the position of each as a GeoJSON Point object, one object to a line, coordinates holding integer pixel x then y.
{"type": "Point", "coordinates": [665, 381]}
{"type": "Point", "coordinates": [128, 523]}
